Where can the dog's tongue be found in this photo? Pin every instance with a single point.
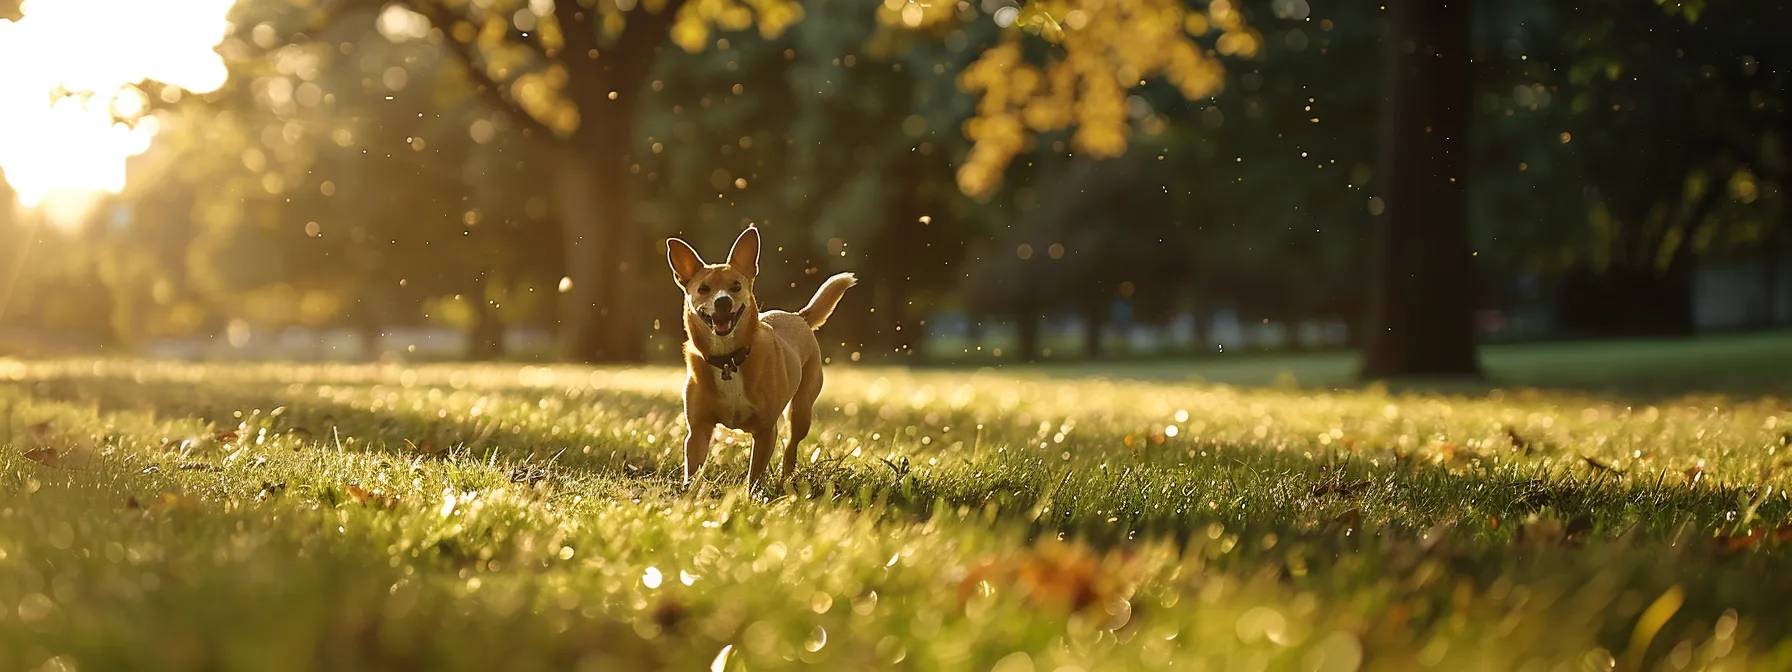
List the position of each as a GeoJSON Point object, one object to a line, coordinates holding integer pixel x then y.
{"type": "Point", "coordinates": [724, 323]}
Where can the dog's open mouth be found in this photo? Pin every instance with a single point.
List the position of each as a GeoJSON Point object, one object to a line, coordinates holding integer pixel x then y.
{"type": "Point", "coordinates": [723, 323]}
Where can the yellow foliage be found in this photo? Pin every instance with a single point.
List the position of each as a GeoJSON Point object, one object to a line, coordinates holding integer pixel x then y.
{"type": "Point", "coordinates": [537, 88]}
{"type": "Point", "coordinates": [1105, 48]}
{"type": "Point", "coordinates": [916, 14]}
{"type": "Point", "coordinates": [699, 18]}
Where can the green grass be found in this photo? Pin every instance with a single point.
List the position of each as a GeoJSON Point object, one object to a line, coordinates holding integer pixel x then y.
{"type": "Point", "coordinates": [275, 517]}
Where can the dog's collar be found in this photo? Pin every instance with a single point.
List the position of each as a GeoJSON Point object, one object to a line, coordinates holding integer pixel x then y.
{"type": "Point", "coordinates": [729, 363]}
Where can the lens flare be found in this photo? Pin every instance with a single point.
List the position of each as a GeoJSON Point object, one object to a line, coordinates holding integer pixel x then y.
{"type": "Point", "coordinates": [63, 143]}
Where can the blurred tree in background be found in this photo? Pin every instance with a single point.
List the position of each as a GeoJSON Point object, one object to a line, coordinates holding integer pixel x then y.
{"type": "Point", "coordinates": [1057, 176]}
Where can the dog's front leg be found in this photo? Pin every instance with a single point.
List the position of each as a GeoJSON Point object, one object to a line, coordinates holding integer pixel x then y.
{"type": "Point", "coordinates": [696, 445]}
{"type": "Point", "coordinates": [765, 442]}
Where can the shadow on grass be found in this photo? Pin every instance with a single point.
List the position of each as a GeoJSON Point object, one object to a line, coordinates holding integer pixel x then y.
{"type": "Point", "coordinates": [1315, 524]}
{"type": "Point", "coordinates": [1109, 498]}
{"type": "Point", "coordinates": [1642, 371]}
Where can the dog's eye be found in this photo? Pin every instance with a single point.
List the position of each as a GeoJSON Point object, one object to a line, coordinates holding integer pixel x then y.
{"type": "Point", "coordinates": [703, 290]}
{"type": "Point", "coordinates": [735, 288]}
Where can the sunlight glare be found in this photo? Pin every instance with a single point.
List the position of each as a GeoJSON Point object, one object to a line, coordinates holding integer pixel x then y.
{"type": "Point", "coordinates": [64, 152]}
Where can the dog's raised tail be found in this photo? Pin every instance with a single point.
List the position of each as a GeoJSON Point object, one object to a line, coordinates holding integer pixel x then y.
{"type": "Point", "coordinates": [826, 298]}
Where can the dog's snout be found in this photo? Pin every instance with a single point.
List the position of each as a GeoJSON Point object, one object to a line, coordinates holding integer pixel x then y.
{"type": "Point", "coordinates": [724, 304]}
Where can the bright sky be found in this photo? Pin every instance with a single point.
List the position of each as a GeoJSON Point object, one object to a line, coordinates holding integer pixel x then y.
{"type": "Point", "coordinates": [60, 154]}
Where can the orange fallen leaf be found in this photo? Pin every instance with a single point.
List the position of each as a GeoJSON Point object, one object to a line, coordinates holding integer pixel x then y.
{"type": "Point", "coordinates": [427, 448]}
{"type": "Point", "coordinates": [77, 458]}
{"type": "Point", "coordinates": [1518, 442]}
{"type": "Point", "coordinates": [1695, 473]}
{"type": "Point", "coordinates": [44, 456]}
{"type": "Point", "coordinates": [1053, 574]}
{"type": "Point", "coordinates": [1728, 545]}
{"type": "Point", "coordinates": [372, 498]}
{"type": "Point", "coordinates": [1601, 466]}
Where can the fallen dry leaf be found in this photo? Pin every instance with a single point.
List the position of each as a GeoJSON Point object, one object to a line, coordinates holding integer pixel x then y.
{"type": "Point", "coordinates": [1053, 574]}
{"type": "Point", "coordinates": [1695, 473]}
{"type": "Point", "coordinates": [1729, 545]}
{"type": "Point", "coordinates": [1518, 442]}
{"type": "Point", "coordinates": [1601, 466]}
{"type": "Point", "coordinates": [79, 459]}
{"type": "Point", "coordinates": [44, 456]}
{"type": "Point", "coordinates": [427, 448]}
{"type": "Point", "coordinates": [269, 490]}
{"type": "Point", "coordinates": [1339, 487]}
{"type": "Point", "coordinates": [371, 498]}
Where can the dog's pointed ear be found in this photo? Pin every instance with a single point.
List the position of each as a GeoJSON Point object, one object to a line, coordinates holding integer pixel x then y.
{"type": "Point", "coordinates": [744, 257]}
{"type": "Point", "coordinates": [683, 259]}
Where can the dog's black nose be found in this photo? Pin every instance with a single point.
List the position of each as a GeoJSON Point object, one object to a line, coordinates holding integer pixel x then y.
{"type": "Point", "coordinates": [725, 304]}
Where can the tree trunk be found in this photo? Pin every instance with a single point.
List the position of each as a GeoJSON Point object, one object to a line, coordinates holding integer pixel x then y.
{"type": "Point", "coordinates": [579, 205]}
{"type": "Point", "coordinates": [599, 320]}
{"type": "Point", "coordinates": [1420, 319]}
{"type": "Point", "coordinates": [485, 340]}
{"type": "Point", "coordinates": [369, 319]}
{"type": "Point", "coordinates": [1770, 280]}
{"type": "Point", "coordinates": [1203, 327]}
{"type": "Point", "coordinates": [1027, 335]}
{"type": "Point", "coordinates": [1094, 318]}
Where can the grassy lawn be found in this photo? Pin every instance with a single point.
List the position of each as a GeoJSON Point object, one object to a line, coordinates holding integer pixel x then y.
{"type": "Point", "coordinates": [274, 517]}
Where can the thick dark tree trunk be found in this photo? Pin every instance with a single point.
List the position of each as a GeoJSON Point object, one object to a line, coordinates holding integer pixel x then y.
{"type": "Point", "coordinates": [623, 252]}
{"type": "Point", "coordinates": [898, 258]}
{"type": "Point", "coordinates": [1026, 346]}
{"type": "Point", "coordinates": [1421, 304]}
{"type": "Point", "coordinates": [973, 328]}
{"type": "Point", "coordinates": [370, 316]}
{"type": "Point", "coordinates": [1770, 280]}
{"type": "Point", "coordinates": [485, 340]}
{"type": "Point", "coordinates": [599, 317]}
{"type": "Point", "coordinates": [579, 205]}
{"type": "Point", "coordinates": [1094, 319]}
{"type": "Point", "coordinates": [1203, 327]}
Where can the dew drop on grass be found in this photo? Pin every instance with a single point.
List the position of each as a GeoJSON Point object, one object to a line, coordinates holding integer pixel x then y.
{"type": "Point", "coordinates": [817, 639]}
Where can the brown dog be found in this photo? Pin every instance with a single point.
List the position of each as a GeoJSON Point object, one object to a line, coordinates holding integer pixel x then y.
{"type": "Point", "coordinates": [746, 367]}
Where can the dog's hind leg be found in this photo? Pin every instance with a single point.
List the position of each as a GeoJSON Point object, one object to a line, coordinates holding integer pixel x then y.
{"type": "Point", "coordinates": [802, 412]}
